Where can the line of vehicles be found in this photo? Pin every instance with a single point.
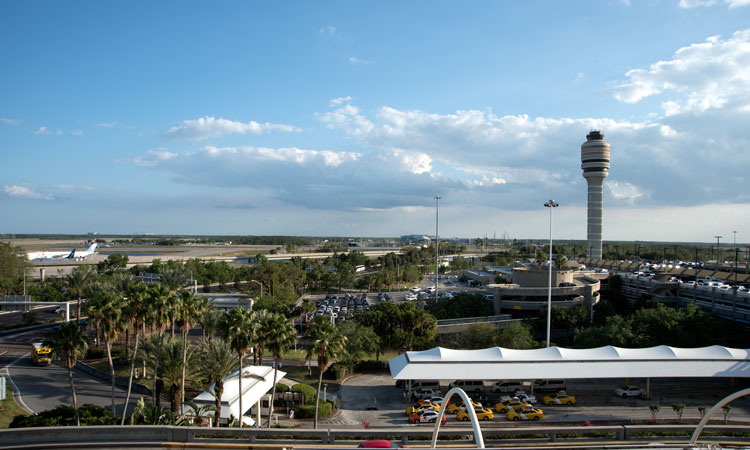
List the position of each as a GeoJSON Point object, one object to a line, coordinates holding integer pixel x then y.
{"type": "Point", "coordinates": [513, 402]}
{"type": "Point", "coordinates": [343, 307]}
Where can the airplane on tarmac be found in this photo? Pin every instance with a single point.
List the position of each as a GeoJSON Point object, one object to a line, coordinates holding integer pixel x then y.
{"type": "Point", "coordinates": [89, 251]}
{"type": "Point", "coordinates": [61, 256]}
{"type": "Point", "coordinates": [51, 256]}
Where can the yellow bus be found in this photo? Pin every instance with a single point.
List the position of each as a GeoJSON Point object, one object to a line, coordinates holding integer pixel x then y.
{"type": "Point", "coordinates": [41, 355]}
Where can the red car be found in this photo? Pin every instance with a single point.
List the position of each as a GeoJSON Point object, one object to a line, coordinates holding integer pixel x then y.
{"type": "Point", "coordinates": [380, 443]}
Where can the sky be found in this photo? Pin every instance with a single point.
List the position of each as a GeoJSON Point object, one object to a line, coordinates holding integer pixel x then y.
{"type": "Point", "coordinates": [348, 118]}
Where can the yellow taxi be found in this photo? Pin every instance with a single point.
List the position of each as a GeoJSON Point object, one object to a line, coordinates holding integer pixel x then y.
{"type": "Point", "coordinates": [419, 409]}
{"type": "Point", "coordinates": [527, 413]}
{"type": "Point", "coordinates": [560, 398]}
{"type": "Point", "coordinates": [482, 414]}
{"type": "Point", "coordinates": [513, 404]}
{"type": "Point", "coordinates": [459, 406]}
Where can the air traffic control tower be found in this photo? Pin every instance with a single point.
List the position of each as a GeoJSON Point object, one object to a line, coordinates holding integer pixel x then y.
{"type": "Point", "coordinates": [595, 165]}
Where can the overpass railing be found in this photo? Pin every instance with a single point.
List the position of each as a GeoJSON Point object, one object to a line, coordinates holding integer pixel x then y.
{"type": "Point", "coordinates": [153, 436]}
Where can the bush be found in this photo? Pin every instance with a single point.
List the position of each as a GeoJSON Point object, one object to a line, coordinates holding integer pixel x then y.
{"type": "Point", "coordinates": [307, 391]}
{"type": "Point", "coordinates": [308, 411]}
{"type": "Point", "coordinates": [64, 415]}
{"type": "Point", "coordinates": [96, 353]}
{"type": "Point", "coordinates": [339, 370]}
{"type": "Point", "coordinates": [370, 364]}
{"type": "Point", "coordinates": [281, 388]}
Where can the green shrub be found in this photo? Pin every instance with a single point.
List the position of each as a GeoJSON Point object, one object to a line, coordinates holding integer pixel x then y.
{"type": "Point", "coordinates": [96, 353]}
{"type": "Point", "coordinates": [281, 388]}
{"type": "Point", "coordinates": [370, 365]}
{"type": "Point", "coordinates": [340, 370]}
{"type": "Point", "coordinates": [307, 391]}
{"type": "Point", "coordinates": [64, 415]}
{"type": "Point", "coordinates": [308, 411]}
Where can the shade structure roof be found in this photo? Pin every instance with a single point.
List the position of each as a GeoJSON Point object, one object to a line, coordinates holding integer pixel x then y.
{"type": "Point", "coordinates": [256, 382]}
{"type": "Point", "coordinates": [497, 363]}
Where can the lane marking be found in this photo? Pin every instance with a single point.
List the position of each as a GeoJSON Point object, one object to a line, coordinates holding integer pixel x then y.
{"type": "Point", "coordinates": [16, 390]}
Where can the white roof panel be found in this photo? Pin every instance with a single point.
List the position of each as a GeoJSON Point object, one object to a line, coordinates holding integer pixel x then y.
{"type": "Point", "coordinates": [498, 363]}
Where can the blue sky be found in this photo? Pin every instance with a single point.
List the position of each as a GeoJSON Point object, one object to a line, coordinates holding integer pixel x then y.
{"type": "Point", "coordinates": [346, 118]}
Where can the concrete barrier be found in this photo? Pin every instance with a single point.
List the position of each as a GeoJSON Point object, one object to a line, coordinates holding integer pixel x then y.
{"type": "Point", "coordinates": [120, 382]}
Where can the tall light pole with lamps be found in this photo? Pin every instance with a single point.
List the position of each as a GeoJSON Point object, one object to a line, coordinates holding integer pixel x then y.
{"type": "Point", "coordinates": [717, 250]}
{"type": "Point", "coordinates": [437, 242]}
{"type": "Point", "coordinates": [550, 204]}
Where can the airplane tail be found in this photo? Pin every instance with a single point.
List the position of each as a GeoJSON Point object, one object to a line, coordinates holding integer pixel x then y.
{"type": "Point", "coordinates": [71, 255]}
{"type": "Point", "coordinates": [92, 247]}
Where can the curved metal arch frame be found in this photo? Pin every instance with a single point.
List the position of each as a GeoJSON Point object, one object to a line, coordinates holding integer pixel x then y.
{"type": "Point", "coordinates": [716, 407]}
{"type": "Point", "coordinates": [474, 421]}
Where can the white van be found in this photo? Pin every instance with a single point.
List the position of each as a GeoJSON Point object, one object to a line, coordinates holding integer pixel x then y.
{"type": "Point", "coordinates": [423, 385]}
{"type": "Point", "coordinates": [506, 386]}
{"type": "Point", "coordinates": [476, 386]}
{"type": "Point", "coordinates": [549, 385]}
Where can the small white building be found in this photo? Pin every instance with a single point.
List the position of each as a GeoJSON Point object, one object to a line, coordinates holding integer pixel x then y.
{"type": "Point", "coordinates": [257, 383]}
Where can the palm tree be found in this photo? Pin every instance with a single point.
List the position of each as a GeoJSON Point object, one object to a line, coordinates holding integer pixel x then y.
{"type": "Point", "coordinates": [158, 303]}
{"type": "Point", "coordinates": [541, 257]}
{"type": "Point", "coordinates": [211, 322]}
{"type": "Point", "coordinates": [69, 343]}
{"type": "Point", "coordinates": [326, 344]}
{"type": "Point", "coordinates": [169, 351]}
{"type": "Point", "coordinates": [216, 362]}
{"type": "Point", "coordinates": [189, 311]}
{"type": "Point", "coordinates": [78, 280]}
{"type": "Point", "coordinates": [105, 311]}
{"type": "Point", "coordinates": [263, 320]}
{"type": "Point", "coordinates": [135, 311]}
{"type": "Point", "coordinates": [173, 278]}
{"type": "Point", "coordinates": [282, 337]}
{"type": "Point", "coordinates": [239, 329]}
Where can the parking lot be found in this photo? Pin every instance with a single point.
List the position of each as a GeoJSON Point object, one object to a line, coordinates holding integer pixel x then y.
{"type": "Point", "coordinates": [596, 402]}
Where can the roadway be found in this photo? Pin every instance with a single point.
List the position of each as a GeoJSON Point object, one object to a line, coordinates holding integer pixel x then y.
{"type": "Point", "coordinates": [43, 388]}
{"type": "Point", "coordinates": [596, 402]}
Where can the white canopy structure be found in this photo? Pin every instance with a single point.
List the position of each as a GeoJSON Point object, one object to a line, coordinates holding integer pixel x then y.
{"type": "Point", "coordinates": [256, 382]}
{"type": "Point", "coordinates": [498, 363]}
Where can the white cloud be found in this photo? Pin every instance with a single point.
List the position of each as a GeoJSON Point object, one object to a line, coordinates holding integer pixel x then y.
{"type": "Point", "coordinates": [622, 190]}
{"type": "Point", "coordinates": [360, 62]}
{"type": "Point", "coordinates": [328, 29]}
{"type": "Point", "coordinates": [349, 118]}
{"type": "Point", "coordinates": [688, 4]}
{"type": "Point", "coordinates": [77, 133]}
{"type": "Point", "coordinates": [24, 192]}
{"type": "Point", "coordinates": [42, 130]}
{"type": "Point", "coordinates": [106, 124]}
{"type": "Point", "coordinates": [8, 121]}
{"type": "Point", "coordinates": [210, 127]}
{"type": "Point", "coordinates": [339, 100]}
{"type": "Point", "coordinates": [714, 74]}
{"type": "Point", "coordinates": [290, 155]}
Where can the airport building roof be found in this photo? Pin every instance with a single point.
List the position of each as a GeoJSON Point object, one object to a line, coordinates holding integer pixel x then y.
{"type": "Point", "coordinates": [256, 382]}
{"type": "Point", "coordinates": [499, 363]}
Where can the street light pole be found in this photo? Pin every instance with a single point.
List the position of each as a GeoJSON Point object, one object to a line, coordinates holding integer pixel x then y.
{"type": "Point", "coordinates": [717, 250]}
{"type": "Point", "coordinates": [550, 204]}
{"type": "Point", "coordinates": [437, 242]}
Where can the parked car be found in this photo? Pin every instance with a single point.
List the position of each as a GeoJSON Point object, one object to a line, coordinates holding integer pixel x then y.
{"type": "Point", "coordinates": [482, 414]}
{"type": "Point", "coordinates": [469, 385]}
{"type": "Point", "coordinates": [506, 386]}
{"type": "Point", "coordinates": [527, 413]}
{"type": "Point", "coordinates": [560, 398]}
{"type": "Point", "coordinates": [380, 443]}
{"type": "Point", "coordinates": [417, 409]}
{"type": "Point", "coordinates": [549, 385]}
{"type": "Point", "coordinates": [514, 404]}
{"type": "Point", "coordinates": [459, 405]}
{"type": "Point", "coordinates": [629, 391]}
{"type": "Point", "coordinates": [426, 417]}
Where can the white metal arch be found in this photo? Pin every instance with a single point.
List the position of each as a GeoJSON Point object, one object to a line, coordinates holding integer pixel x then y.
{"type": "Point", "coordinates": [722, 402]}
{"type": "Point", "coordinates": [472, 415]}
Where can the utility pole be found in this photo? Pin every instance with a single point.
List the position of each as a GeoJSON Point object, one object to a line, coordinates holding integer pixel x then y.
{"type": "Point", "coordinates": [718, 251]}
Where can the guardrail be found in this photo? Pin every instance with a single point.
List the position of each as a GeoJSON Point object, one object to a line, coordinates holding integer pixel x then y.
{"type": "Point", "coordinates": [148, 436]}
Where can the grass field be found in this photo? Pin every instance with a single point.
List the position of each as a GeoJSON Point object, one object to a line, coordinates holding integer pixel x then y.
{"type": "Point", "coordinates": [9, 409]}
